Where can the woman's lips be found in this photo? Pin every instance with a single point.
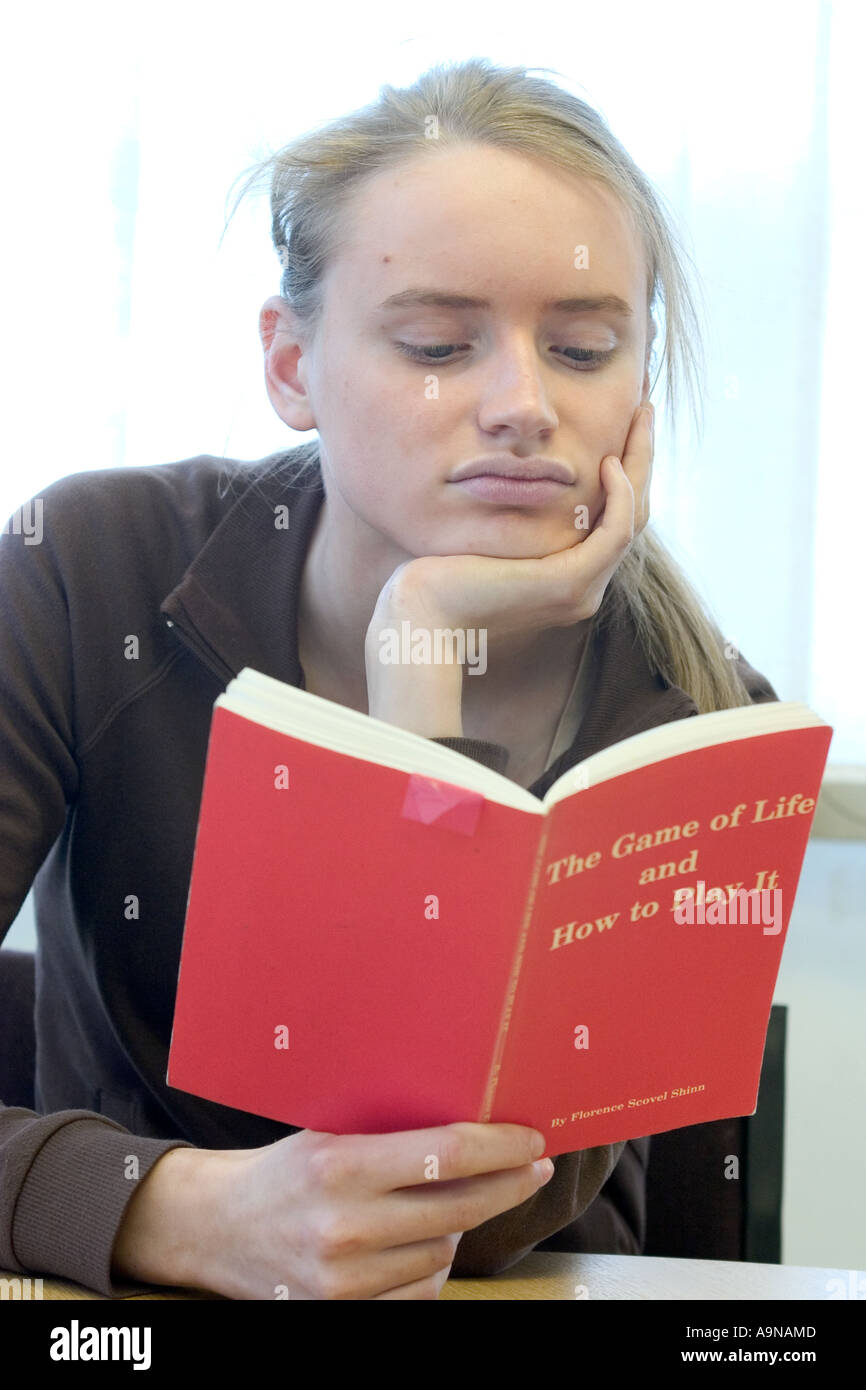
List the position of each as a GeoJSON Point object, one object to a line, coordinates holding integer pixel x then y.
{"type": "Point", "coordinates": [493, 487]}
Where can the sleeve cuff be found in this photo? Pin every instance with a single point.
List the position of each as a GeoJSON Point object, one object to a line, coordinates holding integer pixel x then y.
{"type": "Point", "coordinates": [72, 1202]}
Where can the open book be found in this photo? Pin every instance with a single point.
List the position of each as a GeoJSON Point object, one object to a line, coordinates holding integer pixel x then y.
{"type": "Point", "coordinates": [382, 934]}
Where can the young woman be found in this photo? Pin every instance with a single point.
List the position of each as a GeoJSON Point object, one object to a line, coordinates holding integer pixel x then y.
{"type": "Point", "coordinates": [466, 319]}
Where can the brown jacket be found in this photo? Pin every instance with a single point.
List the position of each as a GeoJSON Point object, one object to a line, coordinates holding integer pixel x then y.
{"type": "Point", "coordinates": [123, 615]}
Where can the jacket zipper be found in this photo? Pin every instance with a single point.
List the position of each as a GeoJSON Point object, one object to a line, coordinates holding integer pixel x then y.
{"type": "Point", "coordinates": [190, 639]}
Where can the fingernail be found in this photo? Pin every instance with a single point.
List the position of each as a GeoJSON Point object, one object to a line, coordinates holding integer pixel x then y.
{"type": "Point", "coordinates": [545, 1169]}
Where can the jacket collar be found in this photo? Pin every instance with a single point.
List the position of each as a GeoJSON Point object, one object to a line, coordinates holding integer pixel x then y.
{"type": "Point", "coordinates": [239, 597]}
{"type": "Point", "coordinates": [236, 605]}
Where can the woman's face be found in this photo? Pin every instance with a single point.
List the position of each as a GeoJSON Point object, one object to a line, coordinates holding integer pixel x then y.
{"type": "Point", "coordinates": [490, 226]}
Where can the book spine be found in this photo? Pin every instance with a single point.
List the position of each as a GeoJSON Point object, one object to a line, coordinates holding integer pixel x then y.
{"type": "Point", "coordinates": [511, 991]}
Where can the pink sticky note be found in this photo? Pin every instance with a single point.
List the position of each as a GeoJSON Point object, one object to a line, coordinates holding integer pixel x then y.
{"type": "Point", "coordinates": [442, 804]}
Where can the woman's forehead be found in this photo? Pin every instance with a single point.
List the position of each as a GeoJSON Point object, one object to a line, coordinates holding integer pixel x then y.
{"type": "Point", "coordinates": [485, 184]}
{"type": "Point", "coordinates": [434, 224]}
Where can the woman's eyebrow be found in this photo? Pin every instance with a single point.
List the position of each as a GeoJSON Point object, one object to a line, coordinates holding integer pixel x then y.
{"type": "Point", "coordinates": [444, 299]}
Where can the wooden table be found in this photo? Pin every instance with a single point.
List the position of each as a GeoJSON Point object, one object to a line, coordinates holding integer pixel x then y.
{"type": "Point", "coordinates": [579, 1277]}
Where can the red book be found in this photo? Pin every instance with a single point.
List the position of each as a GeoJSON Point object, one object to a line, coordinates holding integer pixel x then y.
{"type": "Point", "coordinates": [382, 934]}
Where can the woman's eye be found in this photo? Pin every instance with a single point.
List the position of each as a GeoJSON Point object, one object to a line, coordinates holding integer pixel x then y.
{"type": "Point", "coordinates": [417, 352]}
{"type": "Point", "coordinates": [588, 356]}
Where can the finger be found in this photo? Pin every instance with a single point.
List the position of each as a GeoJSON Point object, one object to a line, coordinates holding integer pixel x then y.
{"type": "Point", "coordinates": [595, 559]}
{"type": "Point", "coordinates": [382, 1162]}
{"type": "Point", "coordinates": [463, 1202]}
{"type": "Point", "coordinates": [637, 460]}
{"type": "Point", "coordinates": [626, 508]}
{"type": "Point", "coordinates": [585, 570]}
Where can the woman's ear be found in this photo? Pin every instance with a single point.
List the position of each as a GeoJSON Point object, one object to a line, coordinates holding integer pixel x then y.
{"type": "Point", "coordinates": [283, 342]}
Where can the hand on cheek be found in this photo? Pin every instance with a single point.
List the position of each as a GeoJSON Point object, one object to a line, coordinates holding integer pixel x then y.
{"type": "Point", "coordinates": [507, 596]}
{"type": "Point", "coordinates": [638, 468]}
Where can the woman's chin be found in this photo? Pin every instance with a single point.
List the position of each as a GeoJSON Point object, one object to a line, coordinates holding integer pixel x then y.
{"type": "Point", "coordinates": [498, 549]}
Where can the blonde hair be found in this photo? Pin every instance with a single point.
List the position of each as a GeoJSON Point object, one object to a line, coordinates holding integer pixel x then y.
{"type": "Point", "coordinates": [312, 180]}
